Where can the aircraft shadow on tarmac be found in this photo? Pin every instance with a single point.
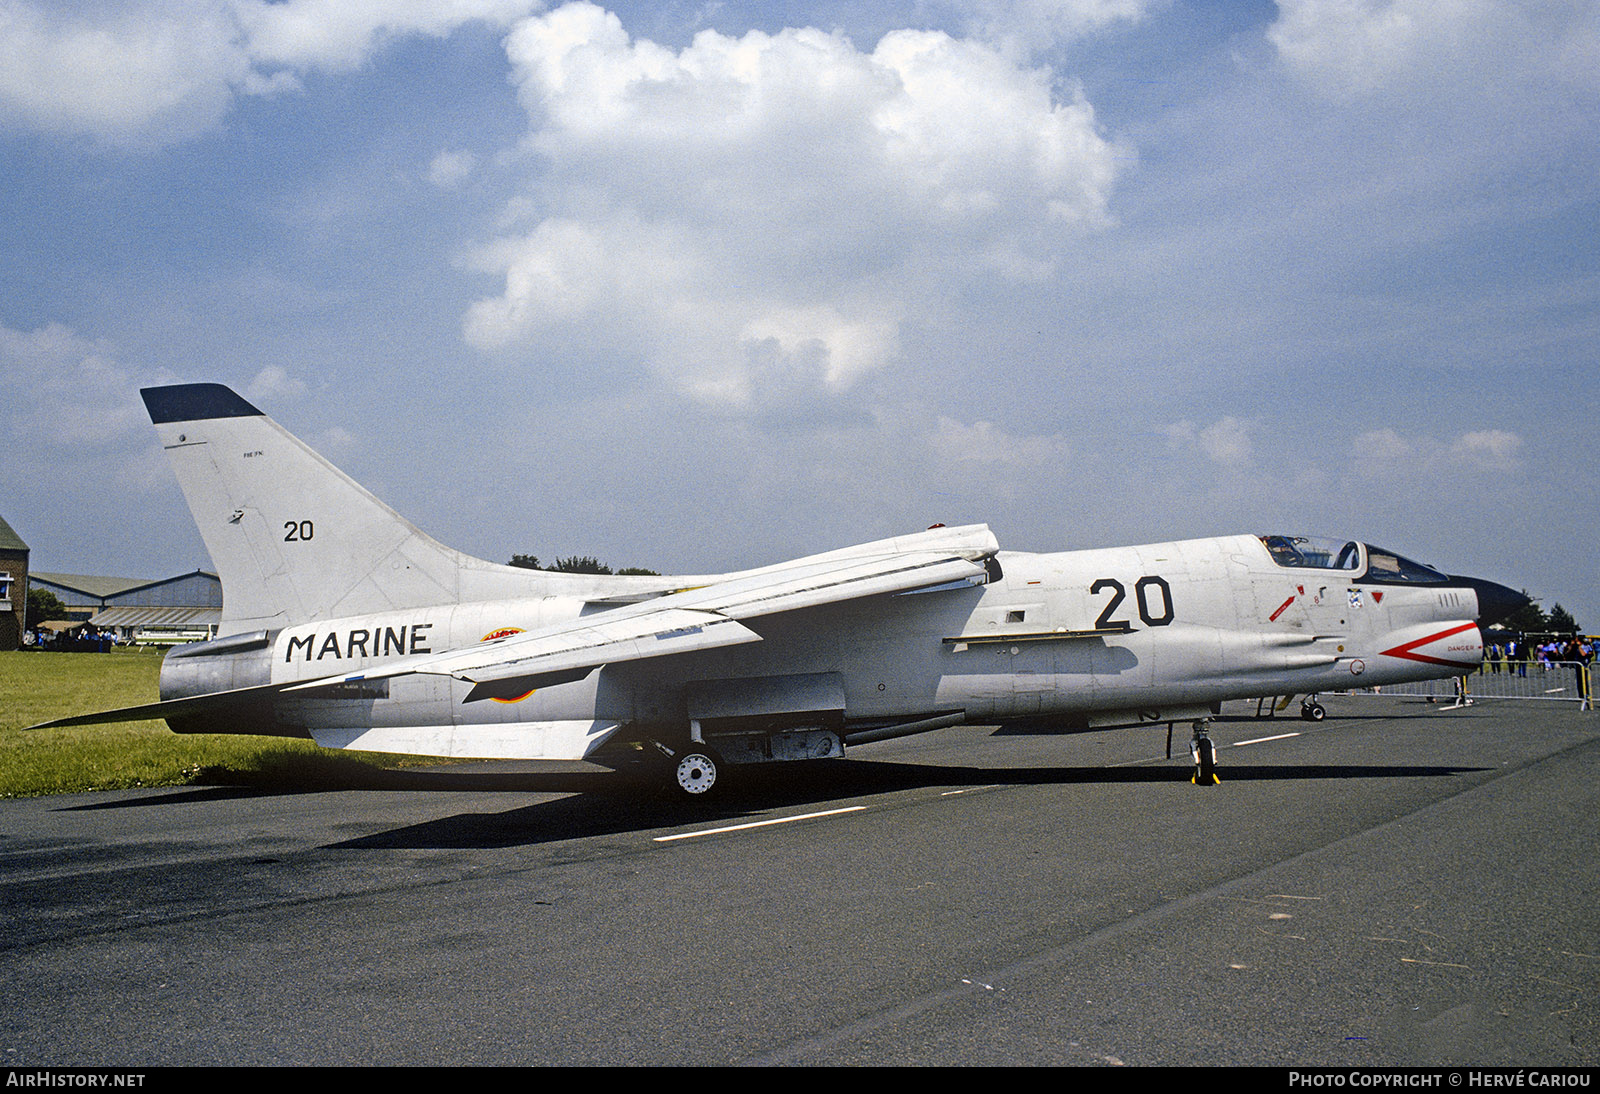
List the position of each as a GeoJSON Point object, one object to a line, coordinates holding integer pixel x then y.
{"type": "Point", "coordinates": [610, 804]}
{"type": "Point", "coordinates": [602, 802]}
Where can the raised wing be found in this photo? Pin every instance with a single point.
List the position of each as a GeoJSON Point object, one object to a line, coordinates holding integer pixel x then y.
{"type": "Point", "coordinates": [699, 618]}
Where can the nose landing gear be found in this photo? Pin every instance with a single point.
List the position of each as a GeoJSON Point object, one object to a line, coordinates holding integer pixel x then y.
{"type": "Point", "coordinates": [1205, 756]}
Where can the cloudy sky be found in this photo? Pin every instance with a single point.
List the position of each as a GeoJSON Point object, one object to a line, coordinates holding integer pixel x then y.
{"type": "Point", "coordinates": [703, 285]}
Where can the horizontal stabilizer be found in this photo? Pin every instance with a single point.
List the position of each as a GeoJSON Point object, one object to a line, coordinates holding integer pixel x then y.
{"type": "Point", "coordinates": [214, 703]}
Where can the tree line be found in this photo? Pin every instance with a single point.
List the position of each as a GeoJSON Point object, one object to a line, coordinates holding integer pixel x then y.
{"type": "Point", "coordinates": [578, 564]}
{"type": "Point", "coordinates": [1532, 619]}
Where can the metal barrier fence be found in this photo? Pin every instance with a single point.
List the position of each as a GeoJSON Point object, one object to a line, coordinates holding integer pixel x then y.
{"type": "Point", "coordinates": [1560, 680]}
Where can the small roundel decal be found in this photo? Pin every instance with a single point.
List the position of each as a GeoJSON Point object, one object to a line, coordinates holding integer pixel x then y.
{"type": "Point", "coordinates": [507, 632]}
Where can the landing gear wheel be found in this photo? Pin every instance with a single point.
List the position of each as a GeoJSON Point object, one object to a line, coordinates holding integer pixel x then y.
{"type": "Point", "coordinates": [695, 770]}
{"type": "Point", "coordinates": [1205, 763]}
{"type": "Point", "coordinates": [1312, 712]}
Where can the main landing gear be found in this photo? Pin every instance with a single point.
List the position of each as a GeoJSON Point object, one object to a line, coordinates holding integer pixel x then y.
{"type": "Point", "coordinates": [695, 770]}
{"type": "Point", "coordinates": [1205, 756]}
{"type": "Point", "coordinates": [692, 769]}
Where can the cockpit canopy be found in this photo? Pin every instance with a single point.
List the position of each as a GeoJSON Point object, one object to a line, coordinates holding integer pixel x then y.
{"type": "Point", "coordinates": [1358, 560]}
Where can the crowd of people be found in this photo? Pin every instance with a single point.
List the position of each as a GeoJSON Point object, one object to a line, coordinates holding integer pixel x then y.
{"type": "Point", "coordinates": [1516, 654]}
{"type": "Point", "coordinates": [80, 639]}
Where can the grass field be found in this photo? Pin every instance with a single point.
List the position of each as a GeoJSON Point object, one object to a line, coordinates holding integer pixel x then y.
{"type": "Point", "coordinates": [36, 687]}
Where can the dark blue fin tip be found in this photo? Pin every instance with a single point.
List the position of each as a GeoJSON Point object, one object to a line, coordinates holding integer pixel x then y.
{"type": "Point", "coordinates": [195, 403]}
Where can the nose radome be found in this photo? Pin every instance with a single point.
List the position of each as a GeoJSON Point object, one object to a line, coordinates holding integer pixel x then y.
{"type": "Point", "coordinates": [1495, 602]}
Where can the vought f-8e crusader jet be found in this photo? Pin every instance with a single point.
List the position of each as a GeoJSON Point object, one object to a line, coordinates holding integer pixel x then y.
{"type": "Point", "coordinates": [345, 624]}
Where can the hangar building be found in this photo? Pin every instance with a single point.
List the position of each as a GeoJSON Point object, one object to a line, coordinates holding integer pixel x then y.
{"type": "Point", "coordinates": [186, 608]}
{"type": "Point", "coordinates": [13, 587]}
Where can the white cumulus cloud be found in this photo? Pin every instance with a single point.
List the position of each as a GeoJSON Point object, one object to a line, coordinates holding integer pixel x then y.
{"type": "Point", "coordinates": [779, 201]}
{"type": "Point", "coordinates": [1030, 26]}
{"type": "Point", "coordinates": [155, 72]}
{"type": "Point", "coordinates": [985, 442]}
{"type": "Point", "coordinates": [79, 394]}
{"type": "Point", "coordinates": [1225, 441]}
{"type": "Point", "coordinates": [340, 36]}
{"type": "Point", "coordinates": [449, 169]}
{"type": "Point", "coordinates": [1443, 47]}
{"type": "Point", "coordinates": [1386, 453]}
{"type": "Point", "coordinates": [1492, 448]}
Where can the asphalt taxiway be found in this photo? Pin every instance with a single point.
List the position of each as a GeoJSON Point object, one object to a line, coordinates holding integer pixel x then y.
{"type": "Point", "coordinates": [1399, 884]}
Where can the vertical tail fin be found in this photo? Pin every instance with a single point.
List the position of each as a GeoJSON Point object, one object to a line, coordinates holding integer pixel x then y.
{"type": "Point", "coordinates": [293, 538]}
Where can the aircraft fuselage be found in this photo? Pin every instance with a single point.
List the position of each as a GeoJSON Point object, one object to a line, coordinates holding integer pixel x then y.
{"type": "Point", "coordinates": [345, 623]}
